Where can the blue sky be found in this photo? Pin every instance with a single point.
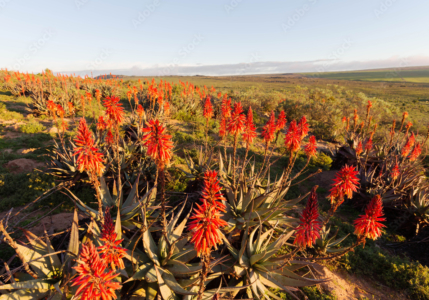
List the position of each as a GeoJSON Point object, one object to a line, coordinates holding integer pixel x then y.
{"type": "Point", "coordinates": [213, 37]}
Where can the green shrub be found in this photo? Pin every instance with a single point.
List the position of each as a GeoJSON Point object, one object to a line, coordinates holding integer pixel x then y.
{"type": "Point", "coordinates": [322, 161]}
{"type": "Point", "coordinates": [32, 127]}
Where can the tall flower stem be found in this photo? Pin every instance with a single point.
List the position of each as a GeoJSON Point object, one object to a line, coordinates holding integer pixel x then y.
{"type": "Point", "coordinates": [233, 161]}
{"type": "Point", "coordinates": [161, 182]}
{"type": "Point", "coordinates": [204, 272]}
{"type": "Point", "coordinates": [96, 185]}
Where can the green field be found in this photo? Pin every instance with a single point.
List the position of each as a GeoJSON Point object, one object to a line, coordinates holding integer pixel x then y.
{"type": "Point", "coordinates": [417, 74]}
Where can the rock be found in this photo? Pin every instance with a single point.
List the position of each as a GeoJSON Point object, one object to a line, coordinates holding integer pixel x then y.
{"type": "Point", "coordinates": [23, 165]}
{"type": "Point", "coordinates": [26, 151]}
{"type": "Point", "coordinates": [53, 130]}
{"type": "Point", "coordinates": [7, 151]}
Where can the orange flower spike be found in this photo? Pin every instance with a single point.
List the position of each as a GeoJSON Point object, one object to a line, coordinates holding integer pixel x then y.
{"type": "Point", "coordinates": [208, 109]}
{"type": "Point", "coordinates": [226, 107]}
{"type": "Point", "coordinates": [206, 218]}
{"type": "Point", "coordinates": [311, 148]}
{"type": "Point", "coordinates": [93, 281]}
{"type": "Point", "coordinates": [222, 129]}
{"type": "Point", "coordinates": [416, 152]}
{"type": "Point", "coordinates": [158, 143]}
{"type": "Point", "coordinates": [368, 144]}
{"type": "Point", "coordinates": [114, 109]}
{"type": "Point", "coordinates": [98, 95]}
{"type": "Point", "coordinates": [101, 124]}
{"type": "Point", "coordinates": [359, 149]}
{"type": "Point", "coordinates": [281, 121]}
{"type": "Point", "coordinates": [368, 225]}
{"type": "Point", "coordinates": [140, 111]}
{"type": "Point", "coordinates": [303, 127]}
{"type": "Point", "coordinates": [89, 158]}
{"type": "Point", "coordinates": [395, 172]}
{"type": "Point", "coordinates": [110, 139]}
{"type": "Point", "coordinates": [309, 227]}
{"type": "Point", "coordinates": [293, 137]}
{"type": "Point", "coordinates": [167, 108]}
{"type": "Point", "coordinates": [60, 111]}
{"type": "Point", "coordinates": [89, 97]}
{"type": "Point", "coordinates": [237, 121]}
{"type": "Point", "coordinates": [345, 183]}
{"type": "Point", "coordinates": [269, 130]}
{"type": "Point", "coordinates": [249, 133]}
{"type": "Point", "coordinates": [110, 250]}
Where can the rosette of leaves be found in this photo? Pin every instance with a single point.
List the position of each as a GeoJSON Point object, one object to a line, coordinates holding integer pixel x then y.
{"type": "Point", "coordinates": [196, 169]}
{"type": "Point", "coordinates": [253, 200]}
{"type": "Point", "coordinates": [258, 264]}
{"type": "Point", "coordinates": [127, 209]}
{"type": "Point", "coordinates": [162, 266]}
{"type": "Point", "coordinates": [325, 244]}
{"type": "Point", "coordinates": [419, 207]}
{"type": "Point", "coordinates": [50, 272]}
{"type": "Point", "coordinates": [63, 163]}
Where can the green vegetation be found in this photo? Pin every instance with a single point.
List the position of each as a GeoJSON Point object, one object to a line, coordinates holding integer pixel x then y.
{"type": "Point", "coordinates": [32, 127]}
{"type": "Point", "coordinates": [418, 75]}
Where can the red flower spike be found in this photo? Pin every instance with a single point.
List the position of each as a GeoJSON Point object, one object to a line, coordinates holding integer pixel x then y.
{"type": "Point", "coordinates": [345, 183]}
{"type": "Point", "coordinates": [95, 283]}
{"type": "Point", "coordinates": [88, 156]}
{"type": "Point", "coordinates": [359, 149]}
{"type": "Point", "coordinates": [101, 124]}
{"type": "Point", "coordinates": [249, 133]}
{"type": "Point", "coordinates": [311, 149]}
{"type": "Point", "coordinates": [368, 145]}
{"type": "Point", "coordinates": [109, 138]}
{"type": "Point", "coordinates": [293, 137]}
{"type": "Point", "coordinates": [237, 121]}
{"type": "Point", "coordinates": [222, 129]}
{"type": "Point", "coordinates": [208, 109]}
{"type": "Point", "coordinates": [281, 121]}
{"type": "Point", "coordinates": [408, 145]}
{"type": "Point", "coordinates": [114, 109]}
{"type": "Point", "coordinates": [226, 107]}
{"type": "Point", "coordinates": [111, 251]}
{"type": "Point", "coordinates": [309, 227]}
{"type": "Point", "coordinates": [416, 152]}
{"type": "Point", "coordinates": [303, 127]}
{"type": "Point", "coordinates": [140, 111]}
{"type": "Point", "coordinates": [207, 220]}
{"type": "Point", "coordinates": [369, 225]}
{"type": "Point", "coordinates": [269, 130]}
{"type": "Point", "coordinates": [158, 143]}
{"type": "Point", "coordinates": [206, 226]}
{"type": "Point", "coordinates": [395, 172]}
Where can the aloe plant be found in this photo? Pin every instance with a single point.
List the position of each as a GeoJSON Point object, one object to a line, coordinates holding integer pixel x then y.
{"type": "Point", "coordinates": [326, 245]}
{"type": "Point", "coordinates": [51, 270]}
{"type": "Point", "coordinates": [127, 209]}
{"type": "Point", "coordinates": [258, 264]}
{"type": "Point", "coordinates": [164, 267]}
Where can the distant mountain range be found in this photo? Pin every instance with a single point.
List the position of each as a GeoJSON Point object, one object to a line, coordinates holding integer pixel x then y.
{"type": "Point", "coordinates": [257, 68]}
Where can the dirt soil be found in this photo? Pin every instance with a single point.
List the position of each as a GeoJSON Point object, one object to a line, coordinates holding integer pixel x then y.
{"type": "Point", "coordinates": [348, 286]}
{"type": "Point", "coordinates": [55, 223]}
{"type": "Point", "coordinates": [23, 165]}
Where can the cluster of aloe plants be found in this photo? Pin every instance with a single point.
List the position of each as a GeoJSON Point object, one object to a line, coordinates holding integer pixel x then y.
{"type": "Point", "coordinates": [242, 238]}
{"type": "Point", "coordinates": [390, 166]}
